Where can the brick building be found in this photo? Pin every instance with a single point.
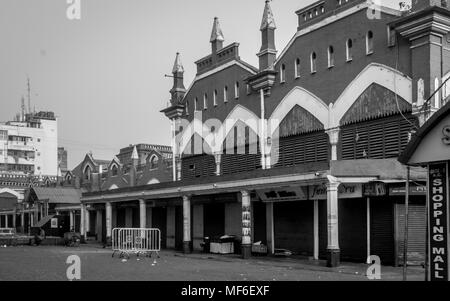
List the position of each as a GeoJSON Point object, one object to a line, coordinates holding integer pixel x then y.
{"type": "Point", "coordinates": [305, 145]}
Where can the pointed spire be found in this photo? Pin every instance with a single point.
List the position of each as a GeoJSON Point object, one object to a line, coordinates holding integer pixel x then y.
{"type": "Point", "coordinates": [268, 20]}
{"type": "Point", "coordinates": [134, 155]}
{"type": "Point", "coordinates": [178, 66]}
{"type": "Point", "coordinates": [216, 34]}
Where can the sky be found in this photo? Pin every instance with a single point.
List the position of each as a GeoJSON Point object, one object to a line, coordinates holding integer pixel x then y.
{"type": "Point", "coordinates": [103, 75]}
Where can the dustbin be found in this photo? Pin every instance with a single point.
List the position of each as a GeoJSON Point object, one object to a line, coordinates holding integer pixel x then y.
{"type": "Point", "coordinates": [206, 244]}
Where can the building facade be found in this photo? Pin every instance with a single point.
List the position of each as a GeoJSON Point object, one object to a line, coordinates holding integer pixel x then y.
{"type": "Point", "coordinates": [300, 153]}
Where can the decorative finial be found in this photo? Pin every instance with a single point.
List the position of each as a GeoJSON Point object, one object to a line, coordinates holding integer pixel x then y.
{"type": "Point", "coordinates": [268, 20]}
{"type": "Point", "coordinates": [217, 34]}
{"type": "Point", "coordinates": [178, 66]}
{"type": "Point", "coordinates": [134, 155]}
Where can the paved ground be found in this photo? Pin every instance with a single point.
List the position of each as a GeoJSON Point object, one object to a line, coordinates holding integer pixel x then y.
{"type": "Point", "coordinates": [49, 263]}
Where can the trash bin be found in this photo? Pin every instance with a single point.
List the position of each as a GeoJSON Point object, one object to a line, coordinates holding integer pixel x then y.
{"type": "Point", "coordinates": [206, 244]}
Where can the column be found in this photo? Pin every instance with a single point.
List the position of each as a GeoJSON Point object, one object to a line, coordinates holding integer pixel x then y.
{"type": "Point", "coordinates": [333, 251]}
{"type": "Point", "coordinates": [6, 221]}
{"type": "Point", "coordinates": [87, 221]}
{"type": "Point", "coordinates": [246, 225]}
{"type": "Point", "coordinates": [218, 159]}
{"type": "Point", "coordinates": [108, 210]}
{"type": "Point", "coordinates": [14, 217]}
{"type": "Point", "coordinates": [334, 140]}
{"type": "Point", "coordinates": [316, 229]}
{"type": "Point", "coordinates": [270, 236]}
{"type": "Point", "coordinates": [262, 134]}
{"type": "Point", "coordinates": [186, 224]}
{"type": "Point", "coordinates": [142, 214]}
{"type": "Point", "coordinates": [22, 221]}
{"type": "Point", "coordinates": [83, 223]}
{"type": "Point", "coordinates": [72, 224]}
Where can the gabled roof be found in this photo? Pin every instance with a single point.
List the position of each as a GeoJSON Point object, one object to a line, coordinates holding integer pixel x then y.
{"type": "Point", "coordinates": [423, 131]}
{"type": "Point", "coordinates": [57, 195]}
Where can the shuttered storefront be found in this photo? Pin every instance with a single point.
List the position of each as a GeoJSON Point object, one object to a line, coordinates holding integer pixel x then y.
{"type": "Point", "coordinates": [377, 139]}
{"type": "Point", "coordinates": [382, 242]}
{"type": "Point", "coordinates": [293, 227]}
{"type": "Point", "coordinates": [300, 149]}
{"type": "Point", "coordinates": [214, 220]}
{"type": "Point", "coordinates": [323, 229]}
{"type": "Point", "coordinates": [353, 229]}
{"type": "Point", "coordinates": [159, 221]}
{"type": "Point", "coordinates": [416, 232]}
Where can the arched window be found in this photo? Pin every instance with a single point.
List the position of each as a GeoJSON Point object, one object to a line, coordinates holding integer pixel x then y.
{"type": "Point", "coordinates": [87, 173]}
{"type": "Point", "coordinates": [215, 98]}
{"type": "Point", "coordinates": [205, 101]}
{"type": "Point", "coordinates": [313, 62]}
{"type": "Point", "coordinates": [114, 170]}
{"type": "Point", "coordinates": [282, 73]}
{"type": "Point", "coordinates": [330, 57]}
{"type": "Point", "coordinates": [297, 68]}
{"type": "Point", "coordinates": [369, 42]}
{"type": "Point", "coordinates": [154, 162]}
{"type": "Point", "coordinates": [236, 90]}
{"type": "Point", "coordinates": [349, 50]}
{"type": "Point", "coordinates": [196, 104]}
{"type": "Point", "coordinates": [187, 108]}
{"type": "Point", "coordinates": [225, 94]}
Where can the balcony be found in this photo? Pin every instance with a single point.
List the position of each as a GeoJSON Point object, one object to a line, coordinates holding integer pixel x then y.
{"type": "Point", "coordinates": [21, 146]}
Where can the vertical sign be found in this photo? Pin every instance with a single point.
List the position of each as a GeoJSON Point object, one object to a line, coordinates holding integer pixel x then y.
{"type": "Point", "coordinates": [438, 219]}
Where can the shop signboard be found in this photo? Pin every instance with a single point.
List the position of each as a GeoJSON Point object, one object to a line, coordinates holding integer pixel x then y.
{"type": "Point", "coordinates": [346, 191]}
{"type": "Point", "coordinates": [438, 222]}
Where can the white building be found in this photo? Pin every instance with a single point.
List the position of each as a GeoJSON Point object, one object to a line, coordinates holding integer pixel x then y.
{"type": "Point", "coordinates": [30, 146]}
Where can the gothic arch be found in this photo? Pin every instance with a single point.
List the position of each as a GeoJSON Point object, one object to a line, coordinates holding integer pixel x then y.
{"type": "Point", "coordinates": [376, 73]}
{"type": "Point", "coordinates": [306, 100]}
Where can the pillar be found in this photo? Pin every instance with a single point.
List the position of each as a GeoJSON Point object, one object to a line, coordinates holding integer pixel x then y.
{"type": "Point", "coordinates": [186, 224]}
{"type": "Point", "coordinates": [316, 229]}
{"type": "Point", "coordinates": [334, 140]}
{"type": "Point", "coordinates": [14, 219]}
{"type": "Point", "coordinates": [246, 225]}
{"type": "Point", "coordinates": [83, 223]}
{"type": "Point", "coordinates": [333, 251]}
{"type": "Point", "coordinates": [108, 209]}
{"type": "Point", "coordinates": [270, 236]}
{"type": "Point", "coordinates": [142, 214]}
{"type": "Point", "coordinates": [87, 220]}
{"type": "Point", "coordinates": [22, 221]}
{"type": "Point", "coordinates": [6, 221]}
{"type": "Point", "coordinates": [218, 159]}
{"type": "Point", "coordinates": [72, 221]}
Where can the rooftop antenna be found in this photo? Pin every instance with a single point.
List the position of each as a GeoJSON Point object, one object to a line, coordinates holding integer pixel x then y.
{"type": "Point", "coordinates": [29, 94]}
{"type": "Point", "coordinates": [22, 106]}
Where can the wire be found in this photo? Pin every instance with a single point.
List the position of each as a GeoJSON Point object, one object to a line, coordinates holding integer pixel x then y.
{"type": "Point", "coordinates": [395, 90]}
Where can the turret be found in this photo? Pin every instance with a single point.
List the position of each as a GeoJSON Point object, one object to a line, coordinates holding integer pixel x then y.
{"type": "Point", "coordinates": [217, 37]}
{"type": "Point", "coordinates": [268, 52]}
{"type": "Point", "coordinates": [178, 90]}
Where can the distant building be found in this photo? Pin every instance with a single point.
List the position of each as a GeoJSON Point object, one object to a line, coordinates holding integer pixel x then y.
{"type": "Point", "coordinates": [62, 160]}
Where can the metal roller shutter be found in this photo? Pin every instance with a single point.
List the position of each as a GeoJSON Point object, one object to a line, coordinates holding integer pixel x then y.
{"type": "Point", "coordinates": [323, 229]}
{"type": "Point", "coordinates": [416, 233]}
{"type": "Point", "coordinates": [382, 230]}
{"type": "Point", "coordinates": [293, 227]}
{"type": "Point", "coordinates": [159, 221]}
{"type": "Point", "coordinates": [353, 229]}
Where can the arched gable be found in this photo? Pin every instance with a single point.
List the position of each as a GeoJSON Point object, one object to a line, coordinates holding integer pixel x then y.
{"type": "Point", "coordinates": [379, 74]}
{"type": "Point", "coordinates": [7, 191]}
{"type": "Point", "coordinates": [375, 102]}
{"type": "Point", "coordinates": [299, 97]}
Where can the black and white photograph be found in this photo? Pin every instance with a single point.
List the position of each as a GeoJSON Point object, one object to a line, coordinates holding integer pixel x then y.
{"type": "Point", "coordinates": [224, 147]}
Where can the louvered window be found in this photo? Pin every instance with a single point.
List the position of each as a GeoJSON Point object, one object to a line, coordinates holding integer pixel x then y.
{"type": "Point", "coordinates": [377, 139]}
{"type": "Point", "coordinates": [232, 162]}
{"type": "Point", "coordinates": [198, 166]}
{"type": "Point", "coordinates": [301, 149]}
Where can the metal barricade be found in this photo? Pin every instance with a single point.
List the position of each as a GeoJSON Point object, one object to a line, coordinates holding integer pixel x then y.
{"type": "Point", "coordinates": [137, 241]}
{"type": "Point", "coordinates": [7, 231]}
